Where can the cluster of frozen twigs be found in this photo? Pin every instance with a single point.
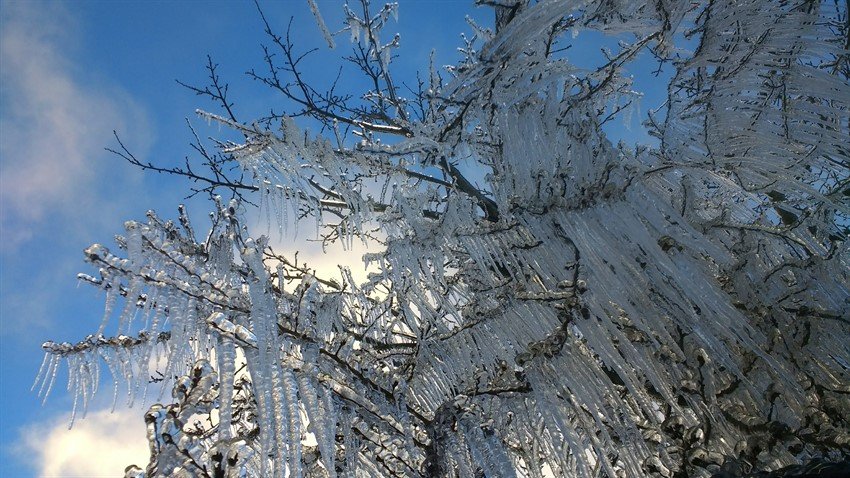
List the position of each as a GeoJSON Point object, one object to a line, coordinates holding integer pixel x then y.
{"type": "Point", "coordinates": [545, 302]}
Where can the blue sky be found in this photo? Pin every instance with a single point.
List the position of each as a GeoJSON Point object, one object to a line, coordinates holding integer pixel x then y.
{"type": "Point", "coordinates": [72, 72]}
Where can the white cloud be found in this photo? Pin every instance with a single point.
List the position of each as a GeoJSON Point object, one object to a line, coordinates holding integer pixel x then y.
{"type": "Point", "coordinates": [56, 119]}
{"type": "Point", "coordinates": [325, 261]}
{"type": "Point", "coordinates": [101, 445]}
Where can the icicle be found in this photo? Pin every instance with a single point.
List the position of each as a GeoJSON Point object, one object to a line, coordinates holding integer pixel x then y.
{"type": "Point", "coordinates": [50, 378]}
{"type": "Point", "coordinates": [459, 451]}
{"type": "Point", "coordinates": [487, 451]}
{"type": "Point", "coordinates": [73, 386]}
{"type": "Point", "coordinates": [321, 22]}
{"type": "Point", "coordinates": [404, 416]}
{"type": "Point", "coordinates": [386, 55]}
{"type": "Point", "coordinates": [226, 354]}
{"type": "Point", "coordinates": [294, 418]}
{"type": "Point", "coordinates": [265, 408]}
{"type": "Point", "coordinates": [87, 383]}
{"type": "Point", "coordinates": [283, 438]}
{"type": "Point", "coordinates": [41, 370]}
{"type": "Point", "coordinates": [107, 355]}
{"type": "Point", "coordinates": [329, 412]}
{"type": "Point", "coordinates": [356, 28]}
{"type": "Point", "coordinates": [350, 445]}
{"type": "Point", "coordinates": [318, 423]}
{"type": "Point", "coordinates": [134, 290]}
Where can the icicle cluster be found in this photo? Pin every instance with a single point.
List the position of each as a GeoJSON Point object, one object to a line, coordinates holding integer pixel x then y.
{"type": "Point", "coordinates": [545, 302]}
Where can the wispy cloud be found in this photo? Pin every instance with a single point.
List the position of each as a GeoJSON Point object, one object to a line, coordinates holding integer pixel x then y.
{"type": "Point", "coordinates": [55, 120]}
{"type": "Point", "coordinates": [101, 445]}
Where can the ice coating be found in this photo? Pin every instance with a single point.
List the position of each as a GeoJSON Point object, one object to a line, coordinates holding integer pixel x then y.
{"type": "Point", "coordinates": [577, 306]}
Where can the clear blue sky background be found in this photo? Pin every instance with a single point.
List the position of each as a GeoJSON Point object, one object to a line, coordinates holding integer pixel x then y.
{"type": "Point", "coordinates": [72, 72]}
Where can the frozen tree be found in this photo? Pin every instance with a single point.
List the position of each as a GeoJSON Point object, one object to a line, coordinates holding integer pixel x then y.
{"type": "Point", "coordinates": [543, 302]}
